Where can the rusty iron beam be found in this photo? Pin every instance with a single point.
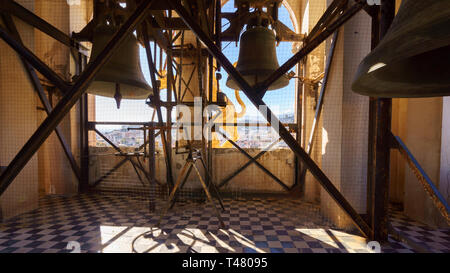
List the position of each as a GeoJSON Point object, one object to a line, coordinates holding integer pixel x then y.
{"type": "Point", "coordinates": [127, 156]}
{"type": "Point", "coordinates": [430, 188]}
{"type": "Point", "coordinates": [155, 85]}
{"type": "Point", "coordinates": [383, 118]}
{"type": "Point", "coordinates": [375, 39]}
{"type": "Point", "coordinates": [271, 118]}
{"type": "Point", "coordinates": [284, 33]}
{"type": "Point", "coordinates": [83, 130]}
{"type": "Point", "coordinates": [72, 96]}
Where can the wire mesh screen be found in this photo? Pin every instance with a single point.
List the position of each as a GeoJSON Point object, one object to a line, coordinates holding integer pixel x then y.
{"type": "Point", "coordinates": [269, 204]}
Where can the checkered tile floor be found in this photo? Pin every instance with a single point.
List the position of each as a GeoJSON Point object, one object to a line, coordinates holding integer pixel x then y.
{"type": "Point", "coordinates": [117, 223]}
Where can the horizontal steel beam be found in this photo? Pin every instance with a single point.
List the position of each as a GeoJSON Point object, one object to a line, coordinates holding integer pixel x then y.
{"type": "Point", "coordinates": [127, 156]}
{"type": "Point", "coordinates": [271, 118]}
{"type": "Point", "coordinates": [73, 95]}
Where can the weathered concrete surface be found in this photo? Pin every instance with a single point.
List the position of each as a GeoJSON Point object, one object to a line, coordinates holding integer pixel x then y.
{"type": "Point", "coordinates": [345, 123]}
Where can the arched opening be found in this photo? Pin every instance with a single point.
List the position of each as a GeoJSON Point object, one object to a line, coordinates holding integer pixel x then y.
{"type": "Point", "coordinates": [281, 101]}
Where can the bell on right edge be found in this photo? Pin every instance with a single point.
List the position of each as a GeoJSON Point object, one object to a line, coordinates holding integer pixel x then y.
{"type": "Point", "coordinates": [413, 58]}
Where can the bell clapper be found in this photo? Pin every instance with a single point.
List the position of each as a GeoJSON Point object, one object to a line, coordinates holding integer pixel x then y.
{"type": "Point", "coordinates": [118, 96]}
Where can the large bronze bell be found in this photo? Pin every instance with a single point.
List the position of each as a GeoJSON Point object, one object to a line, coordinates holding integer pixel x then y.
{"type": "Point", "coordinates": [413, 58]}
{"type": "Point", "coordinates": [121, 77]}
{"type": "Point", "coordinates": [257, 58]}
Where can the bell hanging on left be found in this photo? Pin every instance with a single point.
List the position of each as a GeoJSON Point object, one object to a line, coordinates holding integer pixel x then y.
{"type": "Point", "coordinates": [121, 77]}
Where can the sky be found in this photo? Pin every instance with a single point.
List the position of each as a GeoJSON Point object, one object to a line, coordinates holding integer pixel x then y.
{"type": "Point", "coordinates": [281, 101]}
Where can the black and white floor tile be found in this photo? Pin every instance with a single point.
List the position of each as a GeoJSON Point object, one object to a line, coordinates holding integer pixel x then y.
{"type": "Point", "coordinates": [120, 223]}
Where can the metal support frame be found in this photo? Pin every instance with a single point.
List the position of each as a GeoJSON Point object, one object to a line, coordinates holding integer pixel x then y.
{"type": "Point", "coordinates": [375, 39]}
{"type": "Point", "coordinates": [170, 88]}
{"type": "Point", "coordinates": [252, 92]}
{"type": "Point", "coordinates": [430, 188]}
{"type": "Point", "coordinates": [84, 132]}
{"type": "Point", "coordinates": [126, 155]}
{"type": "Point", "coordinates": [73, 94]}
{"type": "Point", "coordinates": [190, 164]}
{"type": "Point", "coordinates": [381, 164]}
{"type": "Point", "coordinates": [151, 127]}
{"type": "Point", "coordinates": [332, 11]}
{"type": "Point", "coordinates": [251, 161]}
{"type": "Point", "coordinates": [155, 85]}
{"type": "Point", "coordinates": [320, 101]}
{"type": "Point", "coordinates": [42, 96]}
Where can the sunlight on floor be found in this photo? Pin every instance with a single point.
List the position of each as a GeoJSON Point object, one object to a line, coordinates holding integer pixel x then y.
{"type": "Point", "coordinates": [337, 239]}
{"type": "Point", "coordinates": [146, 239]}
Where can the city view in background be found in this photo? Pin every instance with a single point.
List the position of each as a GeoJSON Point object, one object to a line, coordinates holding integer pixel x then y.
{"type": "Point", "coordinates": [249, 136]}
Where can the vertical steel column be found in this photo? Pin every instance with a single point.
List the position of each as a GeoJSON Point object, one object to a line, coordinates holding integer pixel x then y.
{"type": "Point", "coordinates": [372, 125]}
{"type": "Point", "coordinates": [151, 167]}
{"type": "Point", "coordinates": [84, 133]}
{"type": "Point", "coordinates": [170, 89]}
{"type": "Point", "coordinates": [383, 143]}
{"type": "Point", "coordinates": [151, 64]}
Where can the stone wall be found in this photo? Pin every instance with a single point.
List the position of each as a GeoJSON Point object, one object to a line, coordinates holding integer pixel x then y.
{"type": "Point", "coordinates": [18, 119]}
